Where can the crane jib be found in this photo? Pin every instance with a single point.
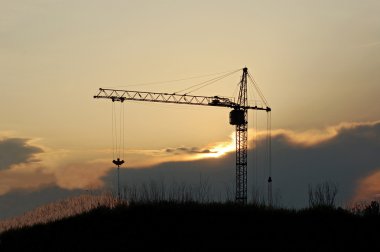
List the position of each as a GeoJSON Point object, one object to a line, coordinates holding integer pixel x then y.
{"type": "Point", "coordinates": [216, 101]}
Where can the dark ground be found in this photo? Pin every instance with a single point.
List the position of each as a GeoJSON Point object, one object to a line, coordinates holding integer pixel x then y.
{"type": "Point", "coordinates": [200, 227]}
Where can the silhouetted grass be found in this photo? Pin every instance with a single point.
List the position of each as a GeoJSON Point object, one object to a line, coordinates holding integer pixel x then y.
{"type": "Point", "coordinates": [192, 226]}
{"type": "Point", "coordinates": [185, 218]}
{"type": "Point", "coordinates": [59, 210]}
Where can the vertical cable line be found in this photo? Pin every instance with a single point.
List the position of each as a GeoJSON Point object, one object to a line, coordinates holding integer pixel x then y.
{"type": "Point", "coordinates": [113, 130]}
{"type": "Point", "coordinates": [270, 143]}
{"type": "Point", "coordinates": [123, 131]}
{"type": "Point", "coordinates": [120, 129]}
{"type": "Point", "coordinates": [118, 139]}
{"type": "Point", "coordinates": [255, 156]}
{"type": "Point", "coordinates": [255, 186]}
{"type": "Point", "coordinates": [269, 150]}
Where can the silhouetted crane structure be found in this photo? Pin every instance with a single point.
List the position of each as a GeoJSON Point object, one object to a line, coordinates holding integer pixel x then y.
{"type": "Point", "coordinates": [238, 117]}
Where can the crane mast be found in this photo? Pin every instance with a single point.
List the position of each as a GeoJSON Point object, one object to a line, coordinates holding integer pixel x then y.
{"type": "Point", "coordinates": [241, 139]}
{"type": "Point", "coordinates": [238, 117]}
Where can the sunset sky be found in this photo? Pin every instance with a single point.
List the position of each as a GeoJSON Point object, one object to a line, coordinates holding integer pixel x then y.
{"type": "Point", "coordinates": [317, 63]}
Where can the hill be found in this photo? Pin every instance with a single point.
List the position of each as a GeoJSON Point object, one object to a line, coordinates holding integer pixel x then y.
{"type": "Point", "coordinates": [199, 227]}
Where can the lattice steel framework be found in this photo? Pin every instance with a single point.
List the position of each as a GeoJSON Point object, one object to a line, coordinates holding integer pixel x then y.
{"type": "Point", "coordinates": [241, 143]}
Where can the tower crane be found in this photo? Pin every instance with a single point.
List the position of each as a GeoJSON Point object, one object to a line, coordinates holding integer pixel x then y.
{"type": "Point", "coordinates": [238, 118]}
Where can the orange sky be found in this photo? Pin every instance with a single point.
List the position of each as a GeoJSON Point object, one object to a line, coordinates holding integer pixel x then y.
{"type": "Point", "coordinates": [315, 61]}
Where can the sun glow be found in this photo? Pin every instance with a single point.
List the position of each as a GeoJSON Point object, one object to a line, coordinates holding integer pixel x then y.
{"type": "Point", "coordinates": [219, 150]}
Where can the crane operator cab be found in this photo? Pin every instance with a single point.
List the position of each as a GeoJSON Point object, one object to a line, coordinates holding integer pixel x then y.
{"type": "Point", "coordinates": [215, 101]}
{"type": "Point", "coordinates": [237, 117]}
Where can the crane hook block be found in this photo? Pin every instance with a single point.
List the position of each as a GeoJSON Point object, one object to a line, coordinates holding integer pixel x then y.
{"type": "Point", "coordinates": [118, 162]}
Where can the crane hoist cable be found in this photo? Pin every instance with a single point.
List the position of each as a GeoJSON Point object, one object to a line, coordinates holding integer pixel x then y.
{"type": "Point", "coordinates": [269, 156]}
{"type": "Point", "coordinates": [113, 129]}
{"type": "Point", "coordinates": [268, 143]}
{"type": "Point", "coordinates": [118, 142]}
{"type": "Point", "coordinates": [256, 147]}
{"type": "Point", "coordinates": [118, 139]}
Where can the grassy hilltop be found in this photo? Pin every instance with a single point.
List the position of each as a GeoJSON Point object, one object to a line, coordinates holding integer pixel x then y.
{"type": "Point", "coordinates": [190, 226]}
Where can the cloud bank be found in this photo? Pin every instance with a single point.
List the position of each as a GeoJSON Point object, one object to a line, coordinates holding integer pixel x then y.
{"type": "Point", "coordinates": [345, 154]}
{"type": "Point", "coordinates": [20, 167]}
{"type": "Point", "coordinates": [17, 151]}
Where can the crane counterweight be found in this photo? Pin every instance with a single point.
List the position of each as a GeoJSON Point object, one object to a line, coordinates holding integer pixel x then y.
{"type": "Point", "coordinates": [237, 117]}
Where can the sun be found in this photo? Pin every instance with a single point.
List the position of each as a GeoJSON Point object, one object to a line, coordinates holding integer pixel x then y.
{"type": "Point", "coordinates": [218, 150]}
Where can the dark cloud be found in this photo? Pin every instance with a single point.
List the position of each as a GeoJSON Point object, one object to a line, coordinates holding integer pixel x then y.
{"type": "Point", "coordinates": [16, 151]}
{"type": "Point", "coordinates": [185, 150]}
{"type": "Point", "coordinates": [344, 159]}
{"type": "Point", "coordinates": [20, 201]}
{"type": "Point", "coordinates": [353, 154]}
